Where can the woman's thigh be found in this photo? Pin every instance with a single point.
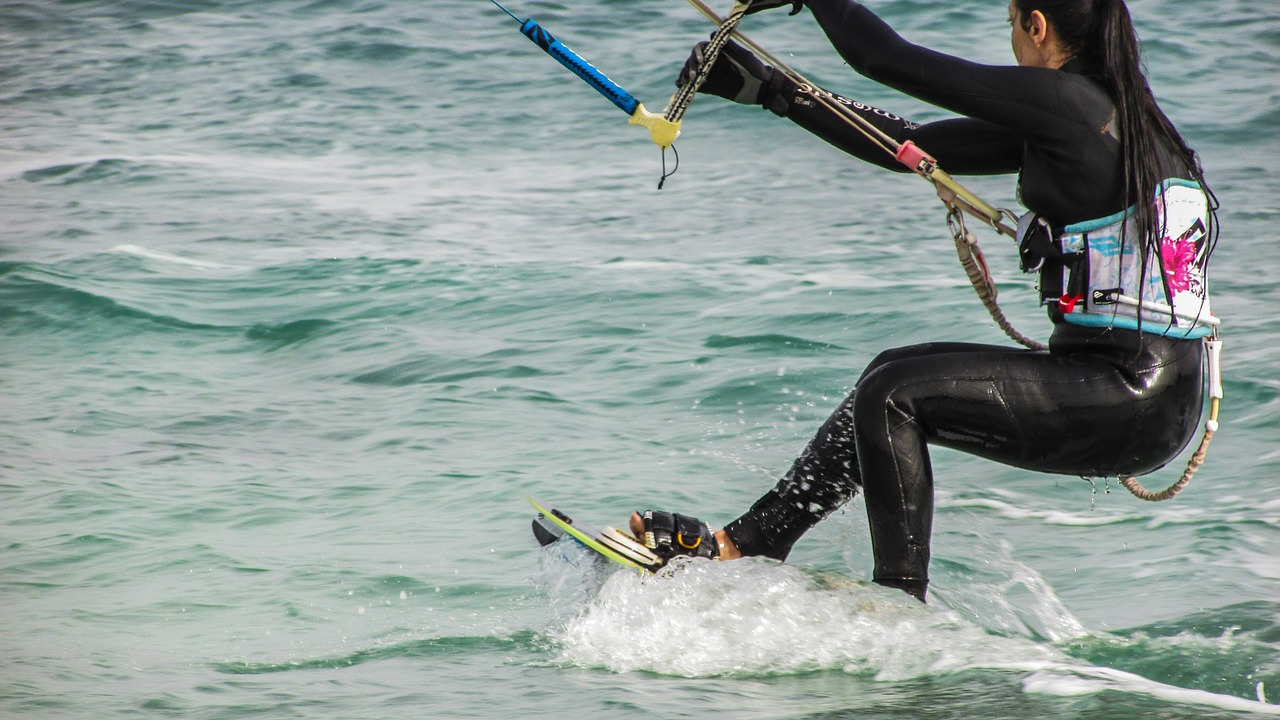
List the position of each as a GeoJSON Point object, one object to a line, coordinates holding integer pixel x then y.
{"type": "Point", "coordinates": [1064, 414]}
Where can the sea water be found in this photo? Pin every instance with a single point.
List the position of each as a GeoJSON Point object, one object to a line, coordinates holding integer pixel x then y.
{"type": "Point", "coordinates": [300, 299]}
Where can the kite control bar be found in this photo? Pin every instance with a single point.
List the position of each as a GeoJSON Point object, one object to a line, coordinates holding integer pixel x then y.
{"type": "Point", "coordinates": [662, 131]}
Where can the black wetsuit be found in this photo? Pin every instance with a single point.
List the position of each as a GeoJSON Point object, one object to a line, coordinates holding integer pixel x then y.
{"type": "Point", "coordinates": [1100, 402]}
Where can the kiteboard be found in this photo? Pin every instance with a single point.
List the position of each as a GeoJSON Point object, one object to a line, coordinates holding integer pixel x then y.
{"type": "Point", "coordinates": [616, 545]}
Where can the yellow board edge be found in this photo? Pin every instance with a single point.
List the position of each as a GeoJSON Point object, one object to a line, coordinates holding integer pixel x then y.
{"type": "Point", "coordinates": [583, 537]}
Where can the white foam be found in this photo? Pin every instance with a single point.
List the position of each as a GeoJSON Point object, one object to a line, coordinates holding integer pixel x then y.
{"type": "Point", "coordinates": [1087, 518]}
{"type": "Point", "coordinates": [1071, 681]}
{"type": "Point", "coordinates": [754, 617]}
{"type": "Point", "coordinates": [139, 251]}
{"type": "Point", "coordinates": [758, 617]}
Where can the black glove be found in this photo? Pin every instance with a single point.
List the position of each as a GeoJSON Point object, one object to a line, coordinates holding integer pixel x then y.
{"type": "Point", "coordinates": [737, 75]}
{"type": "Point", "coordinates": [758, 5]}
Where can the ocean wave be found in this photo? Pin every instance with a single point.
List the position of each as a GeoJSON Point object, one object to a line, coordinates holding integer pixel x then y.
{"type": "Point", "coordinates": [91, 171]}
{"type": "Point", "coordinates": [461, 645]}
{"type": "Point", "coordinates": [1226, 650]}
{"type": "Point", "coordinates": [276, 336]}
{"type": "Point", "coordinates": [48, 300]}
{"type": "Point", "coordinates": [771, 343]}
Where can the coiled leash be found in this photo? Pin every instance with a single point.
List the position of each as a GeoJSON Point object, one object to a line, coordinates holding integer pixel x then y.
{"type": "Point", "coordinates": [1214, 346]}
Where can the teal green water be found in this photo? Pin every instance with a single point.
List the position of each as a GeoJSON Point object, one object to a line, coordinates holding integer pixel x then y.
{"type": "Point", "coordinates": [299, 299]}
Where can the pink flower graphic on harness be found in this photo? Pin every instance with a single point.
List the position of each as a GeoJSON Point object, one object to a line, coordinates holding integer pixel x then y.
{"type": "Point", "coordinates": [1178, 257]}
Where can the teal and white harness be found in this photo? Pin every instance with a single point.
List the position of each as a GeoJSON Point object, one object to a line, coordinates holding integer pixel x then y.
{"type": "Point", "coordinates": [1111, 280]}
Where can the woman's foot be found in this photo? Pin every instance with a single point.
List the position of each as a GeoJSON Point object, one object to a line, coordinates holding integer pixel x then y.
{"type": "Point", "coordinates": [728, 551]}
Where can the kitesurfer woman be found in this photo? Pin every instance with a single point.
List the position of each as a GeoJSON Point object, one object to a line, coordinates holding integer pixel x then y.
{"type": "Point", "coordinates": [1118, 391]}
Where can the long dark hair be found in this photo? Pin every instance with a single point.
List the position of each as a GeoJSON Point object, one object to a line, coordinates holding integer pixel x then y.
{"type": "Point", "coordinates": [1101, 33]}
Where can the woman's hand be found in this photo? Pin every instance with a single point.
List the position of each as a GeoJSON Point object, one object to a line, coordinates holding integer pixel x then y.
{"type": "Point", "coordinates": [737, 75]}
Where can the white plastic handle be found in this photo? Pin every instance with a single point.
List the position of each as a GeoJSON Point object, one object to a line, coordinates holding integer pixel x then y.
{"type": "Point", "coordinates": [1215, 368]}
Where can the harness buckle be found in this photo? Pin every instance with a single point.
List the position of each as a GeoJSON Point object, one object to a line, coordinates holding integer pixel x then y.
{"type": "Point", "coordinates": [1106, 297]}
{"type": "Point", "coordinates": [1036, 243]}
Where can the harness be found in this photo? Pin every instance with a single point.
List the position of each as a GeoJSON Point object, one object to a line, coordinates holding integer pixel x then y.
{"type": "Point", "coordinates": [1098, 273]}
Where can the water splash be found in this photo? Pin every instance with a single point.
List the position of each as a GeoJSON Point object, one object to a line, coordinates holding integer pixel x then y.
{"type": "Point", "coordinates": [755, 617]}
{"type": "Point", "coordinates": [1016, 600]}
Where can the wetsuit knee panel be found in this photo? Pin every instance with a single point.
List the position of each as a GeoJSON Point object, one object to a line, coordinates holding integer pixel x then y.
{"type": "Point", "coordinates": [881, 400]}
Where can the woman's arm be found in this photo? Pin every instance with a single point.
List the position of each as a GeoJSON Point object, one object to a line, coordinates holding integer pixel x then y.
{"type": "Point", "coordinates": [1036, 104]}
{"type": "Point", "coordinates": [960, 145]}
